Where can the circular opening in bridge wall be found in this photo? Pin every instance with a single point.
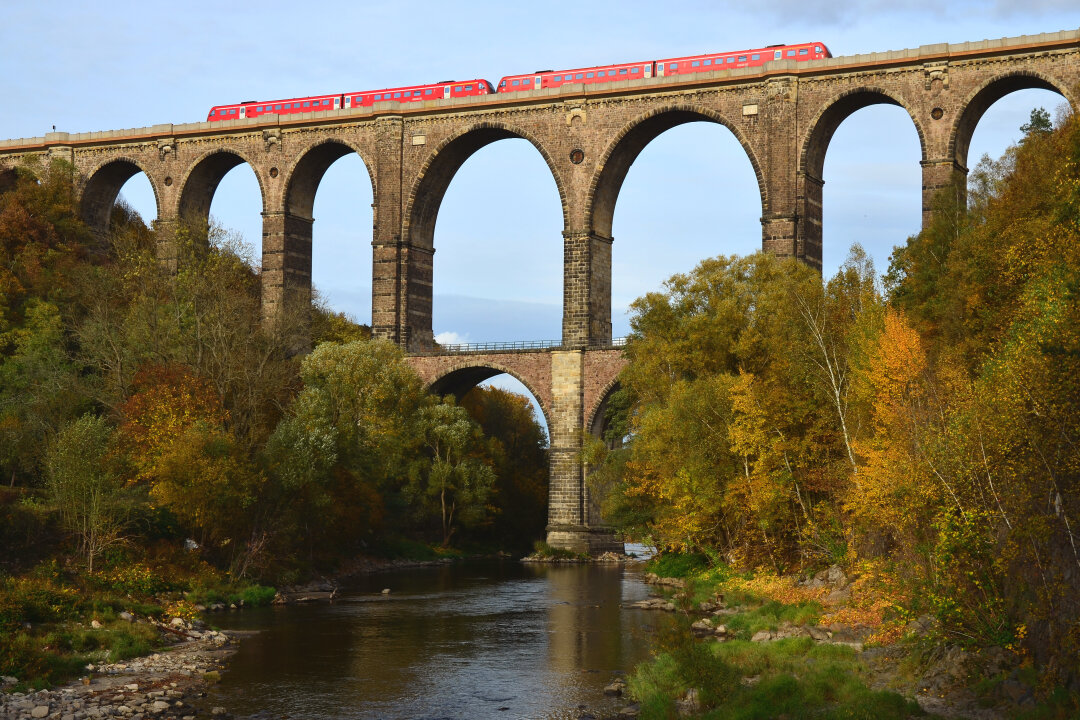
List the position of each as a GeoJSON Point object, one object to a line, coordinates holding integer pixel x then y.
{"type": "Point", "coordinates": [691, 194]}
{"type": "Point", "coordinates": [576, 156]}
{"type": "Point", "coordinates": [498, 272]}
{"type": "Point", "coordinates": [873, 186]}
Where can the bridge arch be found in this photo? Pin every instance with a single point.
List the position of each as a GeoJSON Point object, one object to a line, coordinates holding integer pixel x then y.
{"type": "Point", "coordinates": [595, 423]}
{"type": "Point", "coordinates": [624, 148]}
{"type": "Point", "coordinates": [433, 180]}
{"type": "Point", "coordinates": [463, 376]}
{"type": "Point", "coordinates": [838, 109]}
{"type": "Point", "coordinates": [303, 178]}
{"type": "Point", "coordinates": [994, 89]}
{"type": "Point", "coordinates": [102, 187]}
{"type": "Point", "coordinates": [201, 179]}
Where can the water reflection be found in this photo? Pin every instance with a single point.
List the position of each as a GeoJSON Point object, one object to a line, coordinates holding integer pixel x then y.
{"type": "Point", "coordinates": [489, 640]}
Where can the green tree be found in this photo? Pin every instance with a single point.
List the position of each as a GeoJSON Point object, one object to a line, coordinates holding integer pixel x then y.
{"type": "Point", "coordinates": [82, 484]}
{"type": "Point", "coordinates": [516, 449]}
{"type": "Point", "coordinates": [452, 483]}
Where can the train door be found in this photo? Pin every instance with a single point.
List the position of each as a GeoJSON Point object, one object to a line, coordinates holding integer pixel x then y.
{"type": "Point", "coordinates": [446, 91]}
{"type": "Point", "coordinates": [337, 102]}
{"type": "Point", "coordinates": [243, 111]}
{"type": "Point", "coordinates": [648, 70]}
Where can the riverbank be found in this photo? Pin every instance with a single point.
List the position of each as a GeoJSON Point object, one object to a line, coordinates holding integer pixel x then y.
{"type": "Point", "coordinates": [827, 645]}
{"type": "Point", "coordinates": [161, 685]}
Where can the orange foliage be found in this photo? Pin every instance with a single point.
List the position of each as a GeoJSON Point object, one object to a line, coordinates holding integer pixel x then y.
{"type": "Point", "coordinates": [167, 402]}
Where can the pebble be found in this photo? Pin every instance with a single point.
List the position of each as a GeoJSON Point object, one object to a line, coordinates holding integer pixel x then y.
{"type": "Point", "coordinates": [155, 686]}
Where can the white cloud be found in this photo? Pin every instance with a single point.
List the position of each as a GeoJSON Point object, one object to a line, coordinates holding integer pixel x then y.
{"type": "Point", "coordinates": [451, 338]}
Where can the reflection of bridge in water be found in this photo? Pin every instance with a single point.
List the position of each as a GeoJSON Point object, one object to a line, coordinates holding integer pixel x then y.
{"type": "Point", "coordinates": [783, 114]}
{"type": "Point", "coordinates": [571, 388]}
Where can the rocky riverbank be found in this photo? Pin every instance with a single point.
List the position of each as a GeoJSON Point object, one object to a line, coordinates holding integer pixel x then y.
{"type": "Point", "coordinates": [163, 685]}
{"type": "Point", "coordinates": [941, 679]}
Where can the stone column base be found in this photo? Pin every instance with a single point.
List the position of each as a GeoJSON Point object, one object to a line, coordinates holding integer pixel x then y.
{"type": "Point", "coordinates": [592, 541]}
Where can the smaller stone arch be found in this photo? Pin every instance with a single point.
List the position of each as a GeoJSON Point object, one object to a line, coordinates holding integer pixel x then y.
{"type": "Point", "coordinates": [429, 188]}
{"type": "Point", "coordinates": [102, 187]}
{"type": "Point", "coordinates": [594, 421]}
{"type": "Point", "coordinates": [834, 112]}
{"type": "Point", "coordinates": [8, 177]}
{"type": "Point", "coordinates": [979, 101]}
{"type": "Point", "coordinates": [202, 177]}
{"type": "Point", "coordinates": [624, 148]}
{"type": "Point", "coordinates": [461, 377]}
{"type": "Point", "coordinates": [303, 177]}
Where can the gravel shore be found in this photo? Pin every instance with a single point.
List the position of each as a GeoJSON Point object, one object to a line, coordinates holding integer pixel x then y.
{"type": "Point", "coordinates": [160, 686]}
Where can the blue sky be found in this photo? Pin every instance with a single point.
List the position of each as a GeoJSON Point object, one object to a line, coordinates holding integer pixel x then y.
{"type": "Point", "coordinates": [102, 66]}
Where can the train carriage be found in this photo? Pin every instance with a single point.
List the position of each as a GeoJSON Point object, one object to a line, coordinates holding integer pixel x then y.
{"type": "Point", "coordinates": [712, 62]}
{"type": "Point", "coordinates": [419, 93]}
{"type": "Point", "coordinates": [316, 103]}
{"type": "Point", "coordinates": [587, 76]}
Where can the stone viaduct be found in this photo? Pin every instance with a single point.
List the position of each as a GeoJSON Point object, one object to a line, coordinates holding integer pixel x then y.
{"type": "Point", "coordinates": [783, 114]}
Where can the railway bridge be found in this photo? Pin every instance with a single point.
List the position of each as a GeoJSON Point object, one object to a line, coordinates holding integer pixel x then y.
{"type": "Point", "coordinates": [782, 113]}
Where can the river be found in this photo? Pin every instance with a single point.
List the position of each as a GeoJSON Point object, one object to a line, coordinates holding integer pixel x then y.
{"type": "Point", "coordinates": [491, 639]}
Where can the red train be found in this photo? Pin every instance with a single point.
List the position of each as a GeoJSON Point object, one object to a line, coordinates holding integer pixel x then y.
{"type": "Point", "coordinates": [667, 67]}
{"type": "Point", "coordinates": [664, 68]}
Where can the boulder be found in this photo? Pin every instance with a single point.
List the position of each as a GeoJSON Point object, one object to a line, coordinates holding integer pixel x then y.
{"type": "Point", "coordinates": [702, 628]}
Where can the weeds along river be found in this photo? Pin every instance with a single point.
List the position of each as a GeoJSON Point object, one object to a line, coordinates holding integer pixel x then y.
{"type": "Point", "coordinates": [492, 639]}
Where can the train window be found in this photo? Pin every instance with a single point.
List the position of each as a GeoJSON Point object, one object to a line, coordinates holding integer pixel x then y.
{"type": "Point", "coordinates": [277, 107]}
{"type": "Point", "coordinates": [803, 51]}
{"type": "Point", "coordinates": [817, 48]}
{"type": "Point", "coordinates": [633, 70]}
{"type": "Point", "coordinates": [695, 63]}
{"type": "Point", "coordinates": [622, 71]}
{"type": "Point", "coordinates": [557, 78]}
{"type": "Point", "coordinates": [469, 87]}
{"type": "Point", "coordinates": [307, 104]}
{"type": "Point", "coordinates": [673, 66]}
{"type": "Point", "coordinates": [730, 60]}
{"type": "Point", "coordinates": [579, 76]}
{"type": "Point", "coordinates": [707, 62]}
{"type": "Point", "coordinates": [397, 95]}
{"type": "Point", "coordinates": [755, 56]}
{"type": "Point", "coordinates": [777, 54]}
{"type": "Point", "coordinates": [517, 82]}
{"type": "Point", "coordinates": [791, 53]}
{"type": "Point", "coordinates": [429, 91]}
{"type": "Point", "coordinates": [742, 58]}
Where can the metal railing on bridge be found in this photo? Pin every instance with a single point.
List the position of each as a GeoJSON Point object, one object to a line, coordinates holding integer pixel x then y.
{"type": "Point", "coordinates": [462, 348]}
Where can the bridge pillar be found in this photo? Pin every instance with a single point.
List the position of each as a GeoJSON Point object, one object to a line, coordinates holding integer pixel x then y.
{"type": "Point", "coordinates": [572, 521]}
{"type": "Point", "coordinates": [938, 174]}
{"type": "Point", "coordinates": [586, 290]}
{"type": "Point", "coordinates": [286, 262]}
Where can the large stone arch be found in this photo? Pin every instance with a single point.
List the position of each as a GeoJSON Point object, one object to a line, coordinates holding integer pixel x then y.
{"type": "Point", "coordinates": [303, 177]}
{"type": "Point", "coordinates": [429, 188]}
{"type": "Point", "coordinates": [202, 177]}
{"type": "Point", "coordinates": [815, 144]}
{"type": "Point", "coordinates": [624, 148]}
{"type": "Point", "coordinates": [463, 376]}
{"type": "Point", "coordinates": [102, 187]}
{"type": "Point", "coordinates": [979, 101]}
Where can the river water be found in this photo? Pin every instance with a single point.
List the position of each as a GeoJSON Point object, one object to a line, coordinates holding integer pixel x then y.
{"type": "Point", "coordinates": [493, 639]}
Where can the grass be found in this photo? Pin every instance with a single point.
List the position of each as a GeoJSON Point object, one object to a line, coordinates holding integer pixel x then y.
{"type": "Point", "coordinates": [542, 550]}
{"type": "Point", "coordinates": [742, 680]}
